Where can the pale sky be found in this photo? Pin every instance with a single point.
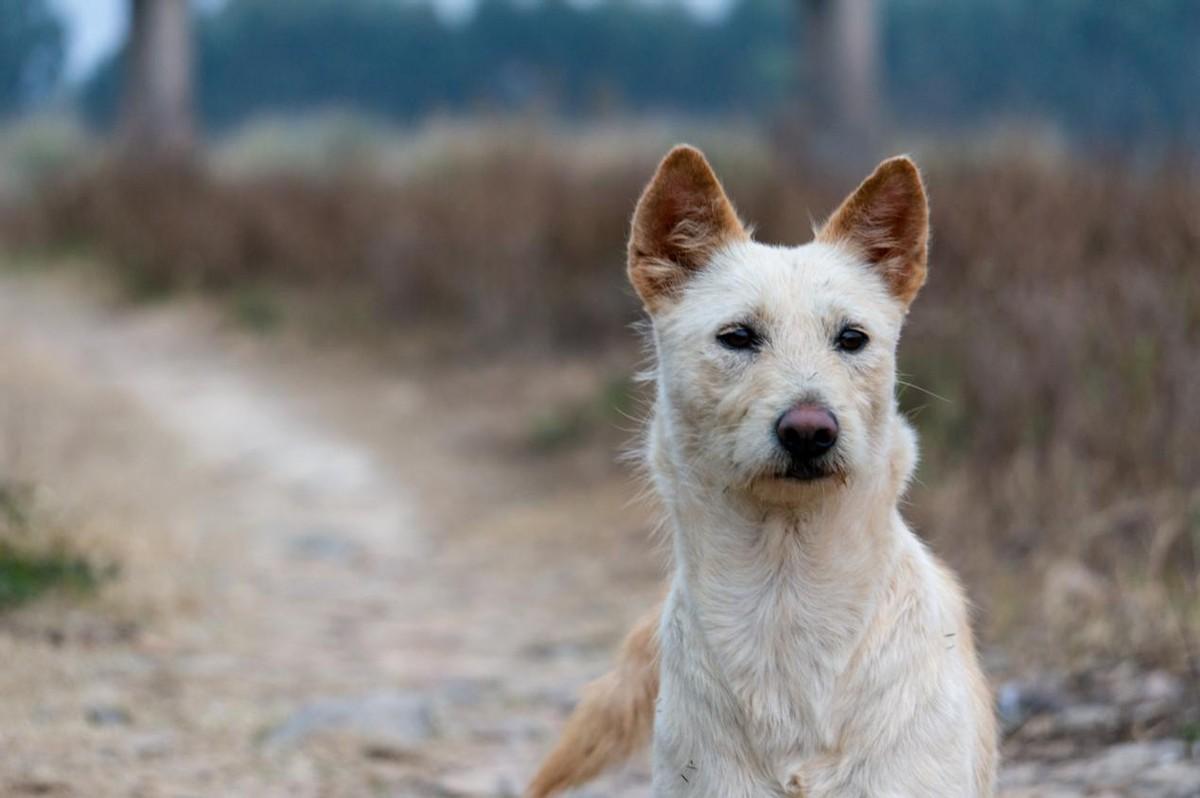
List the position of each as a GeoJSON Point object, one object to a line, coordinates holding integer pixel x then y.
{"type": "Point", "coordinates": [96, 27]}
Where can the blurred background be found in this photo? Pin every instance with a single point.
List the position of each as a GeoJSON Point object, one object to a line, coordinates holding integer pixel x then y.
{"type": "Point", "coordinates": [316, 367]}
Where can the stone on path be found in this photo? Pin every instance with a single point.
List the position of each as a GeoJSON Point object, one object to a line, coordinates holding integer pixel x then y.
{"type": "Point", "coordinates": [401, 719]}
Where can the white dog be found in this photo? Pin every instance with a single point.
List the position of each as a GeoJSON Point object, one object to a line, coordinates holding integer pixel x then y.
{"type": "Point", "coordinates": [810, 645]}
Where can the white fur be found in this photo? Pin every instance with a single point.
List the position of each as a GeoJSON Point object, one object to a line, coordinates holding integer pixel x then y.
{"type": "Point", "coordinates": [811, 644]}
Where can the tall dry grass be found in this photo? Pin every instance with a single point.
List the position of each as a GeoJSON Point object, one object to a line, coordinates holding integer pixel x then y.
{"type": "Point", "coordinates": [87, 507]}
{"type": "Point", "coordinates": [510, 237]}
{"type": "Point", "coordinates": [1062, 324]}
{"type": "Point", "coordinates": [1054, 356]}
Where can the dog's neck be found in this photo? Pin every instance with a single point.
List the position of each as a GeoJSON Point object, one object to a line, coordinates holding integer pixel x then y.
{"type": "Point", "coordinates": [809, 571]}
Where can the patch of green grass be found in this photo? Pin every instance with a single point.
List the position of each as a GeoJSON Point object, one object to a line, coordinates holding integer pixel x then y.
{"type": "Point", "coordinates": [558, 429]}
{"type": "Point", "coordinates": [26, 574]}
{"type": "Point", "coordinates": [20, 262]}
{"type": "Point", "coordinates": [256, 308]}
{"type": "Point", "coordinates": [143, 286]}
{"type": "Point", "coordinates": [25, 577]}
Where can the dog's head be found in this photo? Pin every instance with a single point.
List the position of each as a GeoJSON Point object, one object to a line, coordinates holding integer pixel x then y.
{"type": "Point", "coordinates": [777, 365]}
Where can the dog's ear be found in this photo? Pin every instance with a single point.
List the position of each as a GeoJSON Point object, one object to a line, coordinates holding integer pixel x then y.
{"type": "Point", "coordinates": [886, 221]}
{"type": "Point", "coordinates": [682, 218]}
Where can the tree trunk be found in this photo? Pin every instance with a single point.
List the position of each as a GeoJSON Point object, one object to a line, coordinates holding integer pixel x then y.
{"type": "Point", "coordinates": [156, 114]}
{"type": "Point", "coordinates": [839, 70]}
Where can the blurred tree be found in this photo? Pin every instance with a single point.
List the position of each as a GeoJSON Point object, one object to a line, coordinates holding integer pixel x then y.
{"type": "Point", "coordinates": [1103, 72]}
{"type": "Point", "coordinates": [399, 60]}
{"type": "Point", "coordinates": [839, 55]}
{"type": "Point", "coordinates": [156, 114]}
{"type": "Point", "coordinates": [1106, 72]}
{"type": "Point", "coordinates": [31, 53]}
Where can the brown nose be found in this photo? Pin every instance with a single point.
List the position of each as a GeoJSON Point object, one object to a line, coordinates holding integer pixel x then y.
{"type": "Point", "coordinates": [807, 431]}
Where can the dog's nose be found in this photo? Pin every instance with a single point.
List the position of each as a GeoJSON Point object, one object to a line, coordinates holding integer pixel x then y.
{"type": "Point", "coordinates": [807, 431]}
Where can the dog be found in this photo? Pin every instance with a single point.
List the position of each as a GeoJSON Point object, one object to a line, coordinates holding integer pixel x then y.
{"type": "Point", "coordinates": [810, 644]}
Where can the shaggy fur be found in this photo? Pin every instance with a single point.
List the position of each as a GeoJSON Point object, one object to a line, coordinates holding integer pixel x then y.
{"type": "Point", "coordinates": [810, 645]}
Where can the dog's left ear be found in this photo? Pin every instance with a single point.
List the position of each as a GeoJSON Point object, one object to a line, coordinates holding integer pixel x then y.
{"type": "Point", "coordinates": [886, 222]}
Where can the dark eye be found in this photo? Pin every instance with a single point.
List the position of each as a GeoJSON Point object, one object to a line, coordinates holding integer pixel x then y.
{"type": "Point", "coordinates": [740, 337]}
{"type": "Point", "coordinates": [851, 340]}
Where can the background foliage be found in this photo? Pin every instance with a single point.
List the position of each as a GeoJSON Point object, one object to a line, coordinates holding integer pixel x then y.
{"type": "Point", "coordinates": [31, 53]}
{"type": "Point", "coordinates": [1120, 71]}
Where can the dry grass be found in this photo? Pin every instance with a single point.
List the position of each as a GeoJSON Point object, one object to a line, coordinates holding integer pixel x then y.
{"type": "Point", "coordinates": [513, 237]}
{"type": "Point", "coordinates": [88, 496]}
{"type": "Point", "coordinates": [1060, 331]}
{"type": "Point", "coordinates": [1063, 324]}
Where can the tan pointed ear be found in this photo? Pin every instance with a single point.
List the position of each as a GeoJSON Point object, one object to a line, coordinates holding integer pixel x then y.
{"type": "Point", "coordinates": [682, 218]}
{"type": "Point", "coordinates": [886, 222]}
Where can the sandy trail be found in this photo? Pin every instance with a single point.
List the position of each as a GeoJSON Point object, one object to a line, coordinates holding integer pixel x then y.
{"type": "Point", "coordinates": [227, 422]}
{"type": "Point", "coordinates": [396, 597]}
{"type": "Point", "coordinates": [350, 644]}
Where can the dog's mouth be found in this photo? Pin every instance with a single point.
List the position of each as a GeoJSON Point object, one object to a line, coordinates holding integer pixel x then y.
{"type": "Point", "coordinates": [809, 470]}
{"type": "Point", "coordinates": [806, 474]}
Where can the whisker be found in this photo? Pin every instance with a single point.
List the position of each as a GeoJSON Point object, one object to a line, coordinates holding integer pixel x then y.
{"type": "Point", "coordinates": [925, 391]}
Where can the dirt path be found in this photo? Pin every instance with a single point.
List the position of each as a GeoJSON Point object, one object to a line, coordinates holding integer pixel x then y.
{"type": "Point", "coordinates": [354, 642]}
{"type": "Point", "coordinates": [399, 597]}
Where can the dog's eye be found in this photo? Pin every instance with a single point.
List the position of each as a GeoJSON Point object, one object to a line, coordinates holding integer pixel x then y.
{"type": "Point", "coordinates": [851, 340]}
{"type": "Point", "coordinates": [740, 337]}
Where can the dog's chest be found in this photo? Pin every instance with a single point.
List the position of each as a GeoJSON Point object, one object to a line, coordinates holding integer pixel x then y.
{"type": "Point", "coordinates": [746, 697]}
{"type": "Point", "coordinates": [781, 665]}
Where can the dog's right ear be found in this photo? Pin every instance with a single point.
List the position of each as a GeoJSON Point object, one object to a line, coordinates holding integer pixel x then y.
{"type": "Point", "coordinates": [682, 218]}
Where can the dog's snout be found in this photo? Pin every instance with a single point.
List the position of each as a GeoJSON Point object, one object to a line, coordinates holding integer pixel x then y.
{"type": "Point", "coordinates": [807, 431]}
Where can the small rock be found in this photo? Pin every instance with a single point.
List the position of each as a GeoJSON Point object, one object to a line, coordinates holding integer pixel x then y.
{"type": "Point", "coordinates": [106, 715]}
{"type": "Point", "coordinates": [1020, 774]}
{"type": "Point", "coordinates": [153, 745]}
{"type": "Point", "coordinates": [1134, 757]}
{"type": "Point", "coordinates": [1087, 719]}
{"type": "Point", "coordinates": [1161, 686]}
{"type": "Point", "coordinates": [1130, 687]}
{"type": "Point", "coordinates": [1118, 766]}
{"type": "Point", "coordinates": [37, 786]}
{"type": "Point", "coordinates": [399, 718]}
{"type": "Point", "coordinates": [1173, 779]}
{"type": "Point", "coordinates": [465, 692]}
{"type": "Point", "coordinates": [1017, 701]}
{"type": "Point", "coordinates": [323, 546]}
{"type": "Point", "coordinates": [382, 752]}
{"type": "Point", "coordinates": [479, 782]}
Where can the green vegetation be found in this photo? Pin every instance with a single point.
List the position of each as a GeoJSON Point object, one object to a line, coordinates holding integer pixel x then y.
{"type": "Point", "coordinates": [400, 61]}
{"type": "Point", "coordinates": [24, 576]}
{"type": "Point", "coordinates": [31, 53]}
{"type": "Point", "coordinates": [256, 309]}
{"type": "Point", "coordinates": [1103, 71]}
{"type": "Point", "coordinates": [1106, 72]}
{"type": "Point", "coordinates": [27, 572]}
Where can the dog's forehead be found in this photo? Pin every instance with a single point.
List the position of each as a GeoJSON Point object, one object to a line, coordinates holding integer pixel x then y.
{"type": "Point", "coordinates": [809, 281]}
